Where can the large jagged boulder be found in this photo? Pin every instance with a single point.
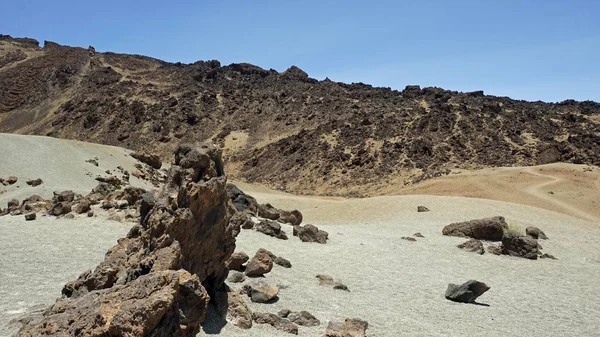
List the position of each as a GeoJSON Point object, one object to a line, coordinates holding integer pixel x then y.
{"type": "Point", "coordinates": [158, 279]}
{"type": "Point", "coordinates": [164, 303]}
{"type": "Point", "coordinates": [481, 229]}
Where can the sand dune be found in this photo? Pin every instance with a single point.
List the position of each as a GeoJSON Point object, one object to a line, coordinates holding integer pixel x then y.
{"type": "Point", "coordinates": [396, 285]}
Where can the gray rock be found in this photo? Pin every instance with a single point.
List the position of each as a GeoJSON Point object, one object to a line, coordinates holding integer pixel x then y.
{"type": "Point", "coordinates": [261, 292]}
{"type": "Point", "coordinates": [275, 321]}
{"type": "Point", "coordinates": [284, 313]}
{"type": "Point", "coordinates": [236, 261]}
{"type": "Point", "coordinates": [418, 235]}
{"type": "Point", "coordinates": [495, 249]}
{"type": "Point", "coordinates": [421, 209]}
{"type": "Point", "coordinates": [310, 233]}
{"type": "Point", "coordinates": [30, 216]}
{"type": "Point", "coordinates": [236, 277]}
{"type": "Point", "coordinates": [408, 238]}
{"type": "Point", "coordinates": [466, 292]}
{"type": "Point", "coordinates": [351, 327]}
{"type": "Point", "coordinates": [260, 264]}
{"type": "Point", "coordinates": [282, 262]}
{"type": "Point", "coordinates": [271, 228]}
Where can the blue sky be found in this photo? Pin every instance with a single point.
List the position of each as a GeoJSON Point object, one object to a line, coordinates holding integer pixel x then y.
{"type": "Point", "coordinates": [535, 50]}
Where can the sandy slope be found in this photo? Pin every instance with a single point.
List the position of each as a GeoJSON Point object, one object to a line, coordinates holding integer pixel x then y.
{"type": "Point", "coordinates": [396, 285]}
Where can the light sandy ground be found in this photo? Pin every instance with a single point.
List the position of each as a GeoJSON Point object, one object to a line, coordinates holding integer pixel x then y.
{"type": "Point", "coordinates": [396, 285]}
{"type": "Point", "coordinates": [60, 163]}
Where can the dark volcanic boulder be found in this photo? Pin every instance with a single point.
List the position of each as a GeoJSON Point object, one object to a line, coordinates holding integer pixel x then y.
{"type": "Point", "coordinates": [151, 159]}
{"type": "Point", "coordinates": [466, 292]}
{"type": "Point", "coordinates": [351, 327]}
{"type": "Point", "coordinates": [34, 182]}
{"type": "Point", "coordinates": [282, 262]}
{"type": "Point", "coordinates": [482, 229]}
{"type": "Point", "coordinates": [270, 228]}
{"type": "Point", "coordinates": [64, 196]}
{"type": "Point", "coordinates": [236, 261]}
{"type": "Point", "coordinates": [520, 246]}
{"type": "Point", "coordinates": [422, 209]}
{"type": "Point", "coordinates": [60, 208]}
{"type": "Point", "coordinates": [472, 245]}
{"type": "Point", "coordinates": [310, 233]}
{"type": "Point", "coordinates": [242, 201]}
{"type": "Point", "coordinates": [268, 211]}
{"type": "Point", "coordinates": [261, 292]}
{"type": "Point", "coordinates": [535, 233]}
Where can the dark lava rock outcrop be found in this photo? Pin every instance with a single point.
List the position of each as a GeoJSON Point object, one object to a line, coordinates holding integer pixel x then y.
{"type": "Point", "coordinates": [466, 292]}
{"type": "Point", "coordinates": [157, 281]}
{"type": "Point", "coordinates": [481, 229]}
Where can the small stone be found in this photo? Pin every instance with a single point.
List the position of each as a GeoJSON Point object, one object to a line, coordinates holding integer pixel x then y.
{"type": "Point", "coordinates": [535, 233]}
{"type": "Point", "coordinates": [90, 214]}
{"type": "Point", "coordinates": [495, 249]}
{"type": "Point", "coordinates": [340, 286]}
{"type": "Point", "coordinates": [69, 216]}
{"type": "Point", "coordinates": [351, 327]}
{"type": "Point", "coordinates": [262, 292]}
{"type": "Point", "coordinates": [408, 238]}
{"type": "Point", "coordinates": [282, 262]}
{"type": "Point", "coordinates": [236, 261]}
{"type": "Point", "coordinates": [11, 180]}
{"type": "Point", "coordinates": [275, 321]}
{"type": "Point", "coordinates": [548, 256]}
{"type": "Point", "coordinates": [418, 235]}
{"type": "Point", "coordinates": [260, 264]}
{"type": "Point", "coordinates": [34, 182]}
{"type": "Point", "coordinates": [421, 209]}
{"type": "Point", "coordinates": [30, 216]}
{"type": "Point", "coordinates": [325, 280]}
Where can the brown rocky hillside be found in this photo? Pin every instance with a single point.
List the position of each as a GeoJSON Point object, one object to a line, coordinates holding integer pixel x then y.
{"type": "Point", "coordinates": [285, 129]}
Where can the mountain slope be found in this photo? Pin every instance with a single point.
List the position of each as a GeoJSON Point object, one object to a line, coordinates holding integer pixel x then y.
{"type": "Point", "coordinates": [285, 129]}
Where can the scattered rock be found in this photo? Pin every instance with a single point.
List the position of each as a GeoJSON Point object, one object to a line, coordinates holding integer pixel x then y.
{"type": "Point", "coordinates": [236, 261]}
{"type": "Point", "coordinates": [30, 216]}
{"type": "Point", "coordinates": [325, 280]}
{"type": "Point", "coordinates": [267, 211]}
{"type": "Point", "coordinates": [421, 209]}
{"type": "Point", "coordinates": [93, 161]}
{"type": "Point", "coordinates": [482, 229]}
{"type": "Point", "coordinates": [310, 233]}
{"type": "Point", "coordinates": [82, 206]}
{"type": "Point", "coordinates": [102, 189]}
{"type": "Point", "coordinates": [408, 238]}
{"type": "Point", "coordinates": [60, 208]}
{"type": "Point", "coordinates": [11, 180]}
{"type": "Point", "coordinates": [70, 216]}
{"type": "Point", "coordinates": [472, 245]}
{"type": "Point", "coordinates": [260, 264]}
{"type": "Point", "coordinates": [147, 158]}
{"type": "Point", "coordinates": [466, 292]}
{"type": "Point", "coordinates": [122, 204]}
{"type": "Point", "coordinates": [284, 313]}
{"type": "Point", "coordinates": [236, 277]}
{"type": "Point", "coordinates": [271, 228]}
{"type": "Point", "coordinates": [114, 217]}
{"type": "Point", "coordinates": [282, 262]}
{"type": "Point", "coordinates": [64, 196]}
{"type": "Point", "coordinates": [547, 256]}
{"type": "Point", "coordinates": [243, 220]}
{"type": "Point", "coordinates": [275, 321]}
{"type": "Point", "coordinates": [351, 327]}
{"type": "Point", "coordinates": [340, 286]}
{"type": "Point", "coordinates": [34, 182]}
{"type": "Point", "coordinates": [261, 292]}
{"type": "Point", "coordinates": [535, 233]}
{"type": "Point", "coordinates": [520, 246]}
{"type": "Point", "coordinates": [90, 214]}
{"type": "Point", "coordinates": [303, 318]}
{"type": "Point", "coordinates": [242, 201]}
{"type": "Point", "coordinates": [418, 235]}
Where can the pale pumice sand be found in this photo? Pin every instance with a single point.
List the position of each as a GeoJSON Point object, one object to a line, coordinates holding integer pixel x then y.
{"type": "Point", "coordinates": [396, 285]}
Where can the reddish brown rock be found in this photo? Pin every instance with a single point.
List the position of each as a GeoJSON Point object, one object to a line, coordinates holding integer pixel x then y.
{"type": "Point", "coordinates": [275, 321]}
{"type": "Point", "coordinates": [236, 261]}
{"type": "Point", "coordinates": [472, 245]}
{"type": "Point", "coordinates": [11, 180]}
{"type": "Point", "coordinates": [260, 264]}
{"type": "Point", "coordinates": [148, 158]}
{"type": "Point", "coordinates": [34, 182]}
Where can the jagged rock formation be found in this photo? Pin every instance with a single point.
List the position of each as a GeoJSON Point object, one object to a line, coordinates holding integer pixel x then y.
{"type": "Point", "coordinates": [157, 281]}
{"type": "Point", "coordinates": [283, 129]}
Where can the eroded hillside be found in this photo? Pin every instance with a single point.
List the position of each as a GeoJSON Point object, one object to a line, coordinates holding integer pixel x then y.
{"type": "Point", "coordinates": [286, 129]}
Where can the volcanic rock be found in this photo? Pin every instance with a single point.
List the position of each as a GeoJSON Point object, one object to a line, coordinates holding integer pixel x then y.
{"type": "Point", "coordinates": [466, 292]}
{"type": "Point", "coordinates": [236, 277]}
{"type": "Point", "coordinates": [11, 180]}
{"type": "Point", "coordinates": [421, 209]}
{"type": "Point", "coordinates": [535, 233]}
{"type": "Point", "coordinates": [472, 245]}
{"type": "Point", "coordinates": [30, 216]}
{"type": "Point", "coordinates": [520, 246]}
{"type": "Point", "coordinates": [236, 261]}
{"type": "Point", "coordinates": [261, 292]}
{"type": "Point", "coordinates": [310, 233]}
{"type": "Point", "coordinates": [242, 201]}
{"type": "Point", "coordinates": [282, 262]}
{"type": "Point", "coordinates": [351, 327]}
{"type": "Point", "coordinates": [275, 321]}
{"type": "Point", "coordinates": [148, 158]}
{"type": "Point", "coordinates": [82, 206]}
{"type": "Point", "coordinates": [482, 229]}
{"type": "Point", "coordinates": [284, 313]}
{"type": "Point", "coordinates": [260, 264]}
{"type": "Point", "coordinates": [303, 318]}
{"type": "Point", "coordinates": [270, 228]}
{"type": "Point", "coordinates": [34, 182]}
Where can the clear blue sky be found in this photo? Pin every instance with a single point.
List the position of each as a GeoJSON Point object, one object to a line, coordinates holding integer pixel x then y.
{"type": "Point", "coordinates": [535, 50]}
